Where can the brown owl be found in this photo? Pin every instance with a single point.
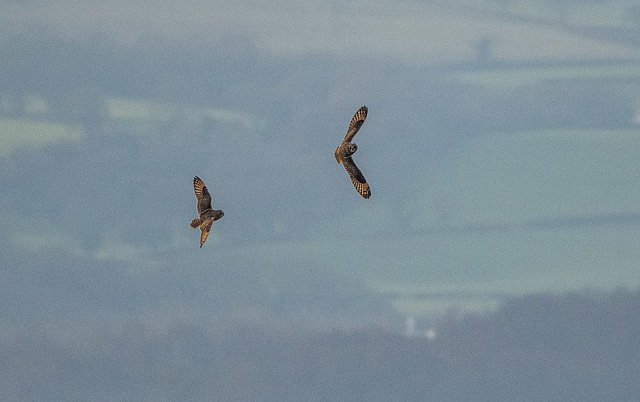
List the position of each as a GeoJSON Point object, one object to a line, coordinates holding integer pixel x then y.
{"type": "Point", "coordinates": [207, 214]}
{"type": "Point", "coordinates": [346, 149]}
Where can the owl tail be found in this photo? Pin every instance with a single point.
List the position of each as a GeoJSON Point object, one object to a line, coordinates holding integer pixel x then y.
{"type": "Point", "coordinates": [337, 155]}
{"type": "Point", "coordinates": [196, 222]}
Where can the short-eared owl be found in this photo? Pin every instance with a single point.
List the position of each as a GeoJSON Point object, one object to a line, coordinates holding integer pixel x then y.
{"type": "Point", "coordinates": [346, 149]}
{"type": "Point", "coordinates": [207, 214]}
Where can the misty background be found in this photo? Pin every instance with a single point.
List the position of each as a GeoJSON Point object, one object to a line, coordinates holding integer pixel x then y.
{"type": "Point", "coordinates": [497, 258]}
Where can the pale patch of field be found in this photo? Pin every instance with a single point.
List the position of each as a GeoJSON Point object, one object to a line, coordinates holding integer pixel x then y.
{"type": "Point", "coordinates": [143, 110]}
{"type": "Point", "coordinates": [513, 78]}
{"type": "Point", "coordinates": [423, 307]}
{"type": "Point", "coordinates": [17, 133]}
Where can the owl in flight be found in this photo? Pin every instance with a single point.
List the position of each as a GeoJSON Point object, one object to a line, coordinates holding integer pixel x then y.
{"type": "Point", "coordinates": [346, 149]}
{"type": "Point", "coordinates": [207, 214]}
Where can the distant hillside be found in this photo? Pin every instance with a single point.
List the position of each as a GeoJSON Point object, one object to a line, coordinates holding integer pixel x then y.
{"type": "Point", "coordinates": [489, 176]}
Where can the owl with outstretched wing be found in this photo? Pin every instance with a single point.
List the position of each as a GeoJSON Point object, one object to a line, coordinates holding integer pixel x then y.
{"type": "Point", "coordinates": [207, 215]}
{"type": "Point", "coordinates": [347, 148]}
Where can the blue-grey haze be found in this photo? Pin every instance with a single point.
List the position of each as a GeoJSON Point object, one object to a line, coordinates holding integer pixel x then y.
{"type": "Point", "coordinates": [501, 148]}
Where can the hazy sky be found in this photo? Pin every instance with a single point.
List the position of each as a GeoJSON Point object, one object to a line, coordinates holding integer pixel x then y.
{"type": "Point", "coordinates": [501, 148]}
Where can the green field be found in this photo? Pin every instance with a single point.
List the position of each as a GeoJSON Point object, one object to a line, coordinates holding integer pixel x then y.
{"type": "Point", "coordinates": [528, 212]}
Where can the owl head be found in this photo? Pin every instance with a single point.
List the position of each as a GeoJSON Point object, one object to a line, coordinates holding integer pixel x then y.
{"type": "Point", "coordinates": [352, 148]}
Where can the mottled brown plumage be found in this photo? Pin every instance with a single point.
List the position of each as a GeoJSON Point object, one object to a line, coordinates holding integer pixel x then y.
{"type": "Point", "coordinates": [207, 215]}
{"type": "Point", "coordinates": [346, 149]}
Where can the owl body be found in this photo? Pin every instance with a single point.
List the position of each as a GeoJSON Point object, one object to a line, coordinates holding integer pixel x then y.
{"type": "Point", "coordinates": [214, 214]}
{"type": "Point", "coordinates": [345, 150]}
{"type": "Point", "coordinates": [210, 214]}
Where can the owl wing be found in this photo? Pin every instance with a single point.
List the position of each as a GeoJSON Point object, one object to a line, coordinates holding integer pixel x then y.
{"type": "Point", "coordinates": [356, 122]}
{"type": "Point", "coordinates": [205, 229]}
{"type": "Point", "coordinates": [357, 178]}
{"type": "Point", "coordinates": [202, 194]}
